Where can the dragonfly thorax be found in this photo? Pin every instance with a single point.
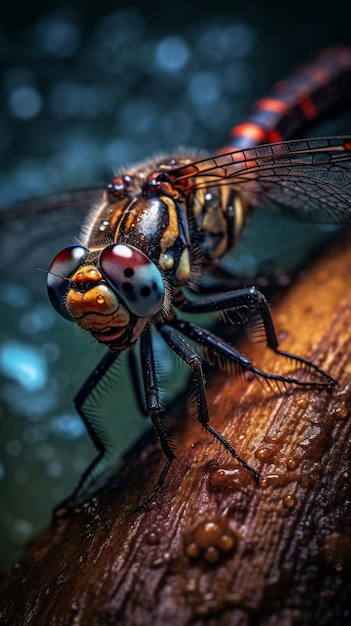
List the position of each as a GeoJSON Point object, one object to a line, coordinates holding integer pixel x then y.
{"type": "Point", "coordinates": [156, 224]}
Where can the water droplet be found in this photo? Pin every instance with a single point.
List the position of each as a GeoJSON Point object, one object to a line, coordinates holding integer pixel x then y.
{"type": "Point", "coordinates": [289, 501]}
{"type": "Point", "coordinates": [93, 273]}
{"type": "Point", "coordinates": [302, 402]}
{"type": "Point", "coordinates": [263, 454]}
{"type": "Point", "coordinates": [192, 549]}
{"type": "Point", "coordinates": [152, 505]}
{"type": "Point", "coordinates": [211, 554]}
{"type": "Point", "coordinates": [291, 464]}
{"type": "Point", "coordinates": [341, 412]}
{"type": "Point", "coordinates": [230, 480]}
{"type": "Point", "coordinates": [152, 538]}
{"type": "Point", "coordinates": [211, 539]}
{"type": "Point", "coordinates": [100, 299]}
{"type": "Point", "coordinates": [226, 542]}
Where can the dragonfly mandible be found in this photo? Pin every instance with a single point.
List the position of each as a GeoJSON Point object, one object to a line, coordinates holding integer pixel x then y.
{"type": "Point", "coordinates": [160, 225]}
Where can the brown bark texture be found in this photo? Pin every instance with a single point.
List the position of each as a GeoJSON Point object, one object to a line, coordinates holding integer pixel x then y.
{"type": "Point", "coordinates": [216, 548]}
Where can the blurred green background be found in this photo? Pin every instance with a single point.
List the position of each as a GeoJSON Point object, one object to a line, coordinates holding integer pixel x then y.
{"type": "Point", "coordinates": [85, 88]}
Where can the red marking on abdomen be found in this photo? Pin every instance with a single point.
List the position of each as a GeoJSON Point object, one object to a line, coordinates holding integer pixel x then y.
{"type": "Point", "coordinates": [271, 104]}
{"type": "Point", "coordinates": [274, 136]}
{"type": "Point", "coordinates": [308, 107]}
{"type": "Point", "coordinates": [248, 129]}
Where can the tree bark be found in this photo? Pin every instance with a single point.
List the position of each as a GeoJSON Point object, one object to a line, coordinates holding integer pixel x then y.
{"type": "Point", "coordinates": [216, 548]}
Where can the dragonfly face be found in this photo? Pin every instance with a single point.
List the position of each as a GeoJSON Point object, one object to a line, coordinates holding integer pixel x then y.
{"type": "Point", "coordinates": [112, 297]}
{"type": "Point", "coordinates": [113, 289]}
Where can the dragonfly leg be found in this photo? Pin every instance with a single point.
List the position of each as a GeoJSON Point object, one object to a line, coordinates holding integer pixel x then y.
{"type": "Point", "coordinates": [226, 353]}
{"type": "Point", "coordinates": [191, 358]}
{"type": "Point", "coordinates": [94, 430]}
{"type": "Point", "coordinates": [135, 376]}
{"type": "Point", "coordinates": [250, 298]}
{"type": "Point", "coordinates": [219, 280]}
{"type": "Point", "coordinates": [153, 408]}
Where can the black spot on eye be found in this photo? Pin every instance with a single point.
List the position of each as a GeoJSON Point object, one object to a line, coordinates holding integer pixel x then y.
{"type": "Point", "coordinates": [128, 272]}
{"type": "Point", "coordinates": [127, 287]}
{"type": "Point", "coordinates": [145, 291]}
{"type": "Point", "coordinates": [154, 286]}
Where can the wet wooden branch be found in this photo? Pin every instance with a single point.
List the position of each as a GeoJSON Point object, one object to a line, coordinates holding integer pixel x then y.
{"type": "Point", "coordinates": [216, 548]}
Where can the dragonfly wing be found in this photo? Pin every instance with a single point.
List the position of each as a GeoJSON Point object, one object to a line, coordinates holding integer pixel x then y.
{"type": "Point", "coordinates": [310, 178]}
{"type": "Point", "coordinates": [314, 184]}
{"type": "Point", "coordinates": [32, 232]}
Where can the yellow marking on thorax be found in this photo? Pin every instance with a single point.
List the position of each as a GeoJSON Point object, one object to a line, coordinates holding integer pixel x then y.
{"type": "Point", "coordinates": [183, 269]}
{"type": "Point", "coordinates": [169, 236]}
{"type": "Point", "coordinates": [240, 215]}
{"type": "Point", "coordinates": [171, 233]}
{"type": "Point", "coordinates": [198, 204]}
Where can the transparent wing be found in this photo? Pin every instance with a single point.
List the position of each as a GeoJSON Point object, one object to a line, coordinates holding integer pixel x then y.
{"type": "Point", "coordinates": [33, 231]}
{"type": "Point", "coordinates": [310, 178]}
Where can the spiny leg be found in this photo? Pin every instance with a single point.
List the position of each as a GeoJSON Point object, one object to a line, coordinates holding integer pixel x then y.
{"type": "Point", "coordinates": [93, 431]}
{"type": "Point", "coordinates": [135, 376]}
{"type": "Point", "coordinates": [191, 358]}
{"type": "Point", "coordinates": [79, 401]}
{"type": "Point", "coordinates": [153, 407]}
{"type": "Point", "coordinates": [221, 350]}
{"type": "Point", "coordinates": [251, 298]}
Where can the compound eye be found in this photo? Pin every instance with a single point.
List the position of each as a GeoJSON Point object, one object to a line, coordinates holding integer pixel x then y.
{"type": "Point", "coordinates": [134, 278]}
{"type": "Point", "coordinates": [64, 265]}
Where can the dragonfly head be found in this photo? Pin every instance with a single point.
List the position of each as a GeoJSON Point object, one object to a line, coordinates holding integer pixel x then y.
{"type": "Point", "coordinates": [112, 296]}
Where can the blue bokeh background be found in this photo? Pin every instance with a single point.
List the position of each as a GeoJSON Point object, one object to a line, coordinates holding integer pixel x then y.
{"type": "Point", "coordinates": [85, 88]}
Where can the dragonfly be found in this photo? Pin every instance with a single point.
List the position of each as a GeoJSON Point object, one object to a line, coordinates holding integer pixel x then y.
{"type": "Point", "coordinates": [149, 236]}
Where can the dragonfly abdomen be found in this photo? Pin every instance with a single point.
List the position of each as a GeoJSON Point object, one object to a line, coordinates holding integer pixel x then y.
{"type": "Point", "coordinates": [313, 90]}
